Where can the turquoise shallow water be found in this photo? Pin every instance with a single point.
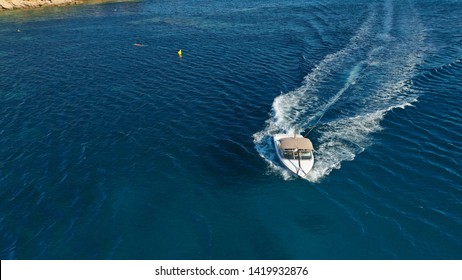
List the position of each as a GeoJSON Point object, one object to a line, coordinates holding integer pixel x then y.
{"type": "Point", "coordinates": [113, 151]}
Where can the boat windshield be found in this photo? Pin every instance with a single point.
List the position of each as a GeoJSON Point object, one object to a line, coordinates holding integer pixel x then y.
{"type": "Point", "coordinates": [295, 154]}
{"type": "Point", "coordinates": [288, 154]}
{"type": "Point", "coordinates": [305, 154]}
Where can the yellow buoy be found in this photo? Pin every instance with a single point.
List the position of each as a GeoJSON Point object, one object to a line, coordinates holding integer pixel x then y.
{"type": "Point", "coordinates": [180, 53]}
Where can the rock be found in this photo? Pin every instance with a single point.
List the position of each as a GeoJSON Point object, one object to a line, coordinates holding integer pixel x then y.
{"type": "Point", "coordinates": [5, 4]}
{"type": "Point", "coordinates": [17, 3]}
{"type": "Point", "coordinates": [61, 2]}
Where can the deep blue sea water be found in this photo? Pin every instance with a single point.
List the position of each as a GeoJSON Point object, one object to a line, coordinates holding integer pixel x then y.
{"type": "Point", "coordinates": [114, 151]}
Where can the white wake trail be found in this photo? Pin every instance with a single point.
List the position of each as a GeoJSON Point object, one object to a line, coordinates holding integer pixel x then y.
{"type": "Point", "coordinates": [379, 66]}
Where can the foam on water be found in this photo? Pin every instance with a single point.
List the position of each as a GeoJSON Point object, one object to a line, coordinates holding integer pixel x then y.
{"type": "Point", "coordinates": [380, 65]}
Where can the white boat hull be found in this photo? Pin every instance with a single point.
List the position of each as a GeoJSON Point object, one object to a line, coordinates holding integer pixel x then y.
{"type": "Point", "coordinates": [296, 166]}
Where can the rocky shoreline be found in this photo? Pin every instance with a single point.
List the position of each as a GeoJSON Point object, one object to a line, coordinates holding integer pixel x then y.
{"type": "Point", "coordinates": [24, 4]}
{"type": "Point", "coordinates": [21, 4]}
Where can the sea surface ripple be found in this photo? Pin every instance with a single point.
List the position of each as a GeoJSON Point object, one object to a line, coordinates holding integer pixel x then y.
{"type": "Point", "coordinates": [113, 147]}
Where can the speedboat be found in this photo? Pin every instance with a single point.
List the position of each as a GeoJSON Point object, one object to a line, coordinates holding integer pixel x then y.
{"type": "Point", "coordinates": [295, 152]}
